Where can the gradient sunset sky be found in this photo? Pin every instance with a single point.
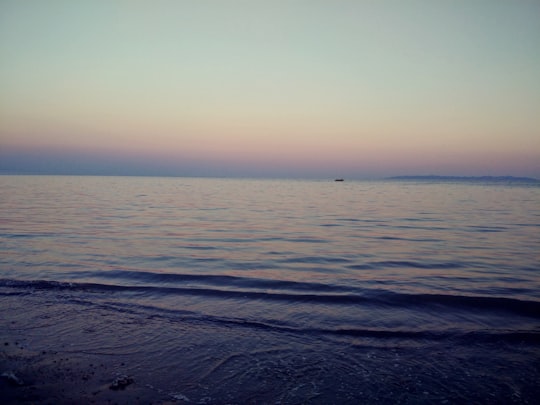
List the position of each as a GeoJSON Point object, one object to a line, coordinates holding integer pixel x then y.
{"type": "Point", "coordinates": [355, 89]}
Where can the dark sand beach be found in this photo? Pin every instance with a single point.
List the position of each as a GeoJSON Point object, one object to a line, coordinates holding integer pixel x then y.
{"type": "Point", "coordinates": [60, 378]}
{"type": "Point", "coordinates": [68, 355]}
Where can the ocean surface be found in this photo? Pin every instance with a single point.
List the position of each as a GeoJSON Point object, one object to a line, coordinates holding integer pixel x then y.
{"type": "Point", "coordinates": [280, 291]}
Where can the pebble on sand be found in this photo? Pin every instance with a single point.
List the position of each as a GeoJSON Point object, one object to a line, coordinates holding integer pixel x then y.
{"type": "Point", "coordinates": [12, 378]}
{"type": "Point", "coordinates": [121, 382]}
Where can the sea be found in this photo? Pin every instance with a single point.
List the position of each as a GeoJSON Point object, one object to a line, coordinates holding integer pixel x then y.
{"type": "Point", "coordinates": [269, 291]}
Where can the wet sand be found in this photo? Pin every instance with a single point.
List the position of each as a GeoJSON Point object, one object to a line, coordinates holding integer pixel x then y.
{"type": "Point", "coordinates": [48, 377]}
{"type": "Point", "coordinates": [61, 350]}
{"type": "Point", "coordinates": [30, 377]}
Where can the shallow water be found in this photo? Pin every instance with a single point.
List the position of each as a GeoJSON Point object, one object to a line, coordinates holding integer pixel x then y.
{"type": "Point", "coordinates": [275, 291]}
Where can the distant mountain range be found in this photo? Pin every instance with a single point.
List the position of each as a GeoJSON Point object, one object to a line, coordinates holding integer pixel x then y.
{"type": "Point", "coordinates": [467, 178]}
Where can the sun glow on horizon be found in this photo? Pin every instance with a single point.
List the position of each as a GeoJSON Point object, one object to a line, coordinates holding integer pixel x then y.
{"type": "Point", "coordinates": [383, 88]}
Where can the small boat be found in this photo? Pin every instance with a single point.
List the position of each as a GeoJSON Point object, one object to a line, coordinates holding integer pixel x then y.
{"type": "Point", "coordinates": [338, 180]}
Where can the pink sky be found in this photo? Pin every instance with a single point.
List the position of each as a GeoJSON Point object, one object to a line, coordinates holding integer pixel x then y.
{"type": "Point", "coordinates": [295, 89]}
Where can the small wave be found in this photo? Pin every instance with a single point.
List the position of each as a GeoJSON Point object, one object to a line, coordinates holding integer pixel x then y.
{"type": "Point", "coordinates": [273, 325]}
{"type": "Point", "coordinates": [493, 336]}
{"type": "Point", "coordinates": [486, 229]}
{"type": "Point", "coordinates": [316, 294]}
{"type": "Point", "coordinates": [215, 280]}
{"type": "Point", "coordinates": [457, 336]}
{"type": "Point", "coordinates": [409, 239]}
{"type": "Point", "coordinates": [521, 307]}
{"type": "Point", "coordinates": [161, 290]}
{"type": "Point", "coordinates": [307, 240]}
{"type": "Point", "coordinates": [26, 235]}
{"type": "Point", "coordinates": [200, 247]}
{"type": "Point", "coordinates": [407, 264]}
{"type": "Point", "coordinates": [425, 228]}
{"type": "Point", "coordinates": [315, 260]}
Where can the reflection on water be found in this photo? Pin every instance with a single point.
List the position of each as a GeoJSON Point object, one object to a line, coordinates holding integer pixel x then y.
{"type": "Point", "coordinates": [260, 280]}
{"type": "Point", "coordinates": [431, 237]}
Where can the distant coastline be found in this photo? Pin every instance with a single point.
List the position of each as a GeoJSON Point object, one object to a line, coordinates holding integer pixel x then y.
{"type": "Point", "coordinates": [497, 179]}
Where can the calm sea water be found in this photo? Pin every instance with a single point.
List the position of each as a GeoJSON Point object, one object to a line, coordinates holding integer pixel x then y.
{"type": "Point", "coordinates": [281, 291]}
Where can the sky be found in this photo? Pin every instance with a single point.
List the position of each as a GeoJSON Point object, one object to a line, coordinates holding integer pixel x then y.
{"type": "Point", "coordinates": [296, 88]}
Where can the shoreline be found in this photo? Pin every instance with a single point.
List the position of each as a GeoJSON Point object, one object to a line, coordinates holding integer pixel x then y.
{"type": "Point", "coordinates": [198, 364]}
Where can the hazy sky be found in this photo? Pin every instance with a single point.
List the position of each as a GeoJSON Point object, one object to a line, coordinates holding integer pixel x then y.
{"type": "Point", "coordinates": [278, 88]}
